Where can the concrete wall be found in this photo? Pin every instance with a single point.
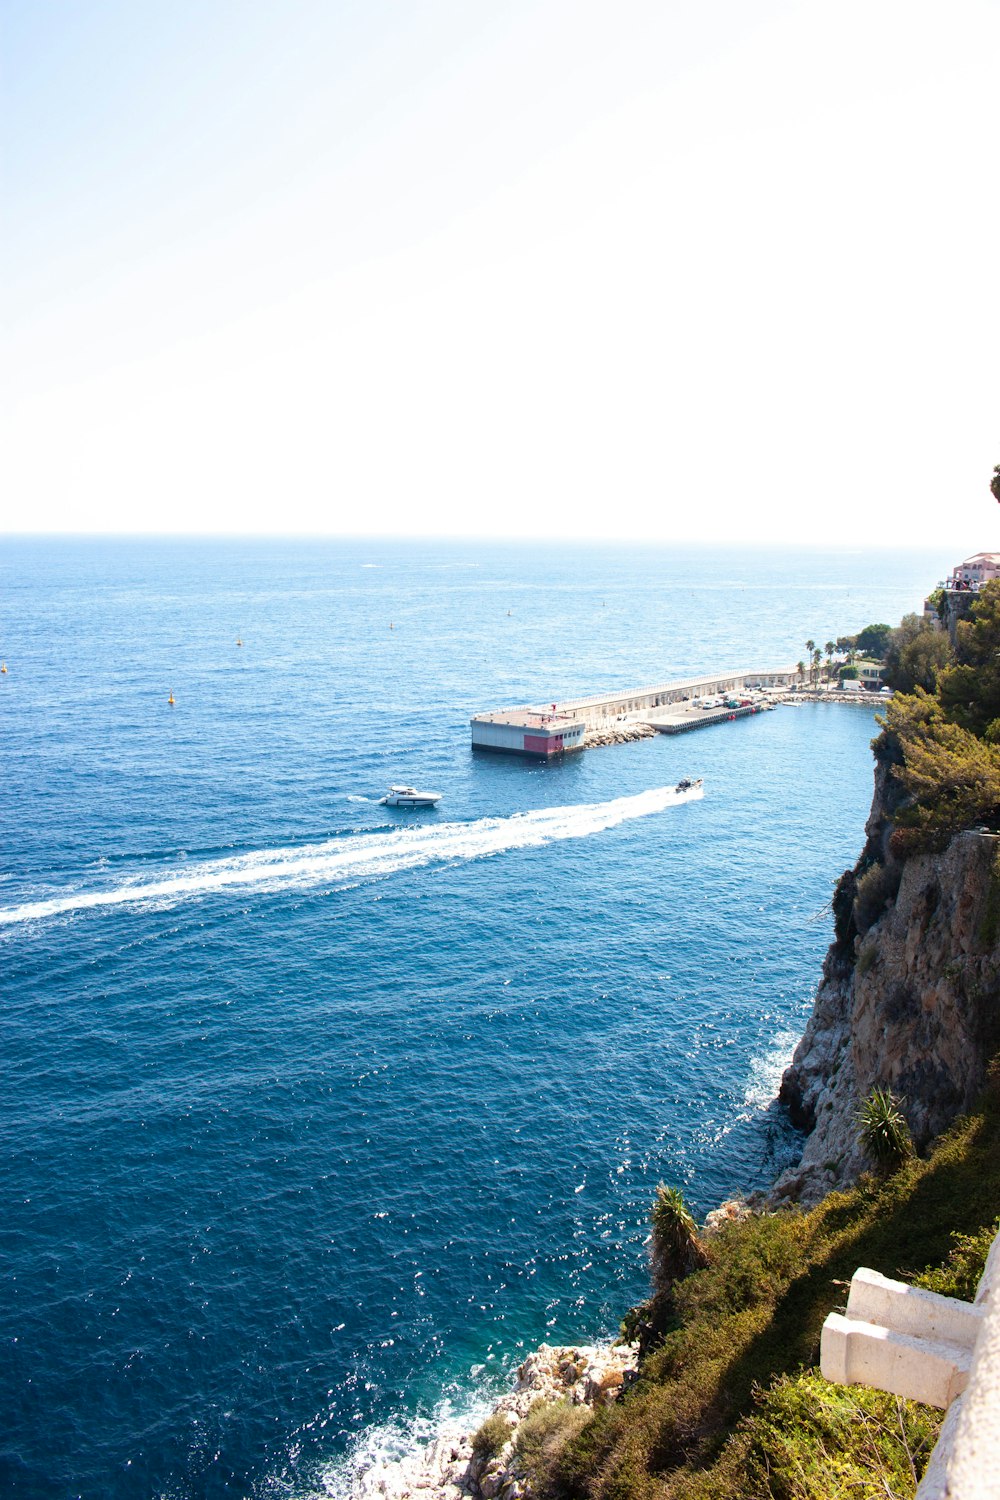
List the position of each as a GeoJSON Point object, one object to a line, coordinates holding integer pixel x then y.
{"type": "Point", "coordinates": [603, 709]}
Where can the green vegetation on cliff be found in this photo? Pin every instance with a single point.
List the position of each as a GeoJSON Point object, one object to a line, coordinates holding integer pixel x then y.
{"type": "Point", "coordinates": [916, 655]}
{"type": "Point", "coordinates": [945, 744]}
{"type": "Point", "coordinates": [729, 1405]}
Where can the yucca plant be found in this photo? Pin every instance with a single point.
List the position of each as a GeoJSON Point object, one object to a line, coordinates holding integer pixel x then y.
{"type": "Point", "coordinates": [674, 1249]}
{"type": "Point", "coordinates": [883, 1132]}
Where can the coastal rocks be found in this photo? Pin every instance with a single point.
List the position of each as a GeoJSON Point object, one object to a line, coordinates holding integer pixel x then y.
{"type": "Point", "coordinates": [915, 1009]}
{"type": "Point", "coordinates": [453, 1465]}
{"type": "Point", "coordinates": [438, 1468]}
{"type": "Point", "coordinates": [829, 694]}
{"type": "Point", "coordinates": [584, 1374]}
{"type": "Point", "coordinates": [732, 1212]}
{"type": "Point", "coordinates": [617, 734]}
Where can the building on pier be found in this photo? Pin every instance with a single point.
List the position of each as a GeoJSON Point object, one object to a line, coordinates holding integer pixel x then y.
{"type": "Point", "coordinates": [526, 731]}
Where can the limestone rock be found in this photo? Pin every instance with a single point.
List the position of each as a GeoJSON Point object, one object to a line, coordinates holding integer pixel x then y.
{"type": "Point", "coordinates": [617, 734]}
{"type": "Point", "coordinates": [733, 1212]}
{"type": "Point", "coordinates": [915, 1009]}
{"type": "Point", "coordinates": [447, 1469]}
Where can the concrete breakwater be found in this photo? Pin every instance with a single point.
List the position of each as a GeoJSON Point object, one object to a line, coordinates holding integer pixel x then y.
{"type": "Point", "coordinates": [557, 728]}
{"type": "Point", "coordinates": [617, 734]}
{"type": "Point", "coordinates": [831, 694]}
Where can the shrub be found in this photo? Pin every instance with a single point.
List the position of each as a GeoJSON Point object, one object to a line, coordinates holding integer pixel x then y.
{"type": "Point", "coordinates": [541, 1437]}
{"type": "Point", "coordinates": [491, 1437]}
{"type": "Point", "coordinates": [884, 1133]}
{"type": "Point", "coordinates": [875, 889]}
{"type": "Point", "coordinates": [961, 1273]}
{"type": "Point", "coordinates": [866, 958]}
{"type": "Point", "coordinates": [808, 1440]}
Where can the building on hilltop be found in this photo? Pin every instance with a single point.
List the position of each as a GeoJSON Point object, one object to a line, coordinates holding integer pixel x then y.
{"type": "Point", "coordinates": [952, 601]}
{"type": "Point", "coordinates": [975, 571]}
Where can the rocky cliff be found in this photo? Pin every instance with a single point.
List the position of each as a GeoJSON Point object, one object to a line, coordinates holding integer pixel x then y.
{"type": "Point", "coordinates": [909, 999]}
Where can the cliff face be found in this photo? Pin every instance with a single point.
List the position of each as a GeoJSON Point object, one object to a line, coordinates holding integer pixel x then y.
{"type": "Point", "coordinates": [909, 1000]}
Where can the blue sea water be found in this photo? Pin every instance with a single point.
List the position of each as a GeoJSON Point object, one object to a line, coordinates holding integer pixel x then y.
{"type": "Point", "coordinates": [318, 1114]}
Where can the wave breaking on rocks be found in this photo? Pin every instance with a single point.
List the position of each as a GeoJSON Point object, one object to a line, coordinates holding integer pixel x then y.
{"type": "Point", "coordinates": [452, 1466]}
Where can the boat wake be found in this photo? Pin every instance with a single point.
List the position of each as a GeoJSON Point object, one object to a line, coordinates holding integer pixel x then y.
{"type": "Point", "coordinates": [352, 858]}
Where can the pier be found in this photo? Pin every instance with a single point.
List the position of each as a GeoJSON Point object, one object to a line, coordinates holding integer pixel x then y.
{"type": "Point", "coordinates": [546, 730]}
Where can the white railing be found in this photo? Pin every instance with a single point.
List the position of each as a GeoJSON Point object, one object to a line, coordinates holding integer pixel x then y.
{"type": "Point", "coordinates": [934, 1349]}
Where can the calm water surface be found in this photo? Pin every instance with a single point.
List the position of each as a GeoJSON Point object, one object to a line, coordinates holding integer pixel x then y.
{"type": "Point", "coordinates": [318, 1114]}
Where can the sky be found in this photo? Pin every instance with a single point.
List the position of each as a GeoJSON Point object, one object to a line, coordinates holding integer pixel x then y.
{"type": "Point", "coordinates": [669, 269]}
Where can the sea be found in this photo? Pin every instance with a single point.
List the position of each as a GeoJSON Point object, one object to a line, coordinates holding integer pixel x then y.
{"type": "Point", "coordinates": [319, 1114]}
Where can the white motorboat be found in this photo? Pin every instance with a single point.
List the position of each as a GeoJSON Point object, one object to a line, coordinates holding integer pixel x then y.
{"type": "Point", "coordinates": [408, 796]}
{"type": "Point", "coordinates": [689, 785]}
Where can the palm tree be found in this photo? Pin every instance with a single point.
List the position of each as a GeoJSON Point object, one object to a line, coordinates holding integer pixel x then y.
{"type": "Point", "coordinates": [801, 669]}
{"type": "Point", "coordinates": [817, 658]}
{"type": "Point", "coordinates": [674, 1248]}
{"type": "Point", "coordinates": [829, 648]}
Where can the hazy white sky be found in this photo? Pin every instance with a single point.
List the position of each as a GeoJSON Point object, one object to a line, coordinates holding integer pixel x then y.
{"type": "Point", "coordinates": [665, 268]}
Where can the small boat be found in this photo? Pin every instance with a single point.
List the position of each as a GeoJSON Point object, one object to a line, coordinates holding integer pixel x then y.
{"type": "Point", "coordinates": [689, 784]}
{"type": "Point", "coordinates": [408, 796]}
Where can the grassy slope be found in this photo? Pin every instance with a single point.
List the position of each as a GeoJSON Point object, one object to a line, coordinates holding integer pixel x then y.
{"type": "Point", "coordinates": [705, 1419]}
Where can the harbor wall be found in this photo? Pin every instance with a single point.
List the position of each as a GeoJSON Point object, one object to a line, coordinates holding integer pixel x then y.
{"type": "Point", "coordinates": [509, 729]}
{"type": "Point", "coordinates": [602, 708]}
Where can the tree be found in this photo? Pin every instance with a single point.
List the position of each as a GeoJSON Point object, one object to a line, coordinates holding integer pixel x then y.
{"type": "Point", "coordinates": [800, 667]}
{"type": "Point", "coordinates": [674, 1248]}
{"type": "Point", "coordinates": [817, 658]}
{"type": "Point", "coordinates": [995, 482]}
{"type": "Point", "coordinates": [919, 663]}
{"type": "Point", "coordinates": [944, 747]}
{"type": "Point", "coordinates": [952, 776]}
{"type": "Point", "coordinates": [873, 640]}
{"type": "Point", "coordinates": [829, 648]}
{"type": "Point", "coordinates": [915, 655]}
{"type": "Point", "coordinates": [970, 690]}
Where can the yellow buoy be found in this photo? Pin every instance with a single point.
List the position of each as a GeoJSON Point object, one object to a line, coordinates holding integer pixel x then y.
{"type": "Point", "coordinates": [170, 700]}
{"type": "Point", "coordinates": [4, 668]}
{"type": "Point", "coordinates": [238, 641]}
